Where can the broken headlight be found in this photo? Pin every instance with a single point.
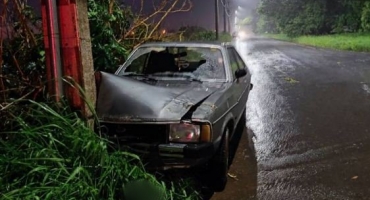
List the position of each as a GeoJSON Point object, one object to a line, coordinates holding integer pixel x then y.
{"type": "Point", "coordinates": [184, 133]}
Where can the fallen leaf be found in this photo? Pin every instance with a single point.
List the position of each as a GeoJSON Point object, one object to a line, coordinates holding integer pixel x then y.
{"type": "Point", "coordinates": [291, 80]}
{"type": "Point", "coordinates": [233, 176]}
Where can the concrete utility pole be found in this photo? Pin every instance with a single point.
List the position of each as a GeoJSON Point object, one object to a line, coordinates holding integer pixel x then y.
{"type": "Point", "coordinates": [76, 53]}
{"type": "Point", "coordinates": [225, 14]}
{"type": "Point", "coordinates": [229, 16]}
{"type": "Point", "coordinates": [216, 19]}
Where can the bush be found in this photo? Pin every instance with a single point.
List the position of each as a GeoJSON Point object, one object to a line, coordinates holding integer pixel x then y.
{"type": "Point", "coordinates": [108, 22]}
{"type": "Point", "coordinates": [225, 37]}
{"type": "Point", "coordinates": [48, 152]}
{"type": "Point", "coordinates": [194, 33]}
{"type": "Point", "coordinates": [22, 70]}
{"type": "Point", "coordinates": [365, 18]}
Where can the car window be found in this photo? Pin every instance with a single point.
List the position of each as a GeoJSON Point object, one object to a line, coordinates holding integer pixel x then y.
{"type": "Point", "coordinates": [137, 64]}
{"type": "Point", "coordinates": [233, 61]}
{"type": "Point", "coordinates": [200, 62]}
{"type": "Point", "coordinates": [239, 60]}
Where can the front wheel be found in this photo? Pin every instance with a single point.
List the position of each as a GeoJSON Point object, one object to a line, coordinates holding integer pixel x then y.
{"type": "Point", "coordinates": [220, 165]}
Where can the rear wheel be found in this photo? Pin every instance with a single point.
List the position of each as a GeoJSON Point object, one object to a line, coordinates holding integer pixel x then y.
{"type": "Point", "coordinates": [220, 165]}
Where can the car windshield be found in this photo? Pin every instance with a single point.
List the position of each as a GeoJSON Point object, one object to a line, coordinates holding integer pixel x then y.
{"type": "Point", "coordinates": [192, 63]}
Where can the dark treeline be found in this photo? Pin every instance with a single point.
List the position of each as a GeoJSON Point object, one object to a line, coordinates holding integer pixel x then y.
{"type": "Point", "coordinates": [314, 17]}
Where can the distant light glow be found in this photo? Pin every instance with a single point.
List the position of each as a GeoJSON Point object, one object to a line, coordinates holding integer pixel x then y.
{"type": "Point", "coordinates": [242, 34]}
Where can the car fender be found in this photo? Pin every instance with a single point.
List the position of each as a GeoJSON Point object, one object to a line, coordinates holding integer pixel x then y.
{"type": "Point", "coordinates": [226, 119]}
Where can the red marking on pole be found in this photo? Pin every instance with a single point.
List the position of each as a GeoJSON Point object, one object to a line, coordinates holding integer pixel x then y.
{"type": "Point", "coordinates": [70, 46]}
{"type": "Point", "coordinates": [50, 49]}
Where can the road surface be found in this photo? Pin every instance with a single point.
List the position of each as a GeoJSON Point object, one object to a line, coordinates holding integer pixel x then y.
{"type": "Point", "coordinates": [310, 113]}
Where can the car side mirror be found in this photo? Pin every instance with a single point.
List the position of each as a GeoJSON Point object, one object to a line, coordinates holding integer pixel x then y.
{"type": "Point", "coordinates": [240, 73]}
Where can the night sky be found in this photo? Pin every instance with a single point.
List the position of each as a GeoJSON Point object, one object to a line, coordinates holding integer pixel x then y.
{"type": "Point", "coordinates": [202, 14]}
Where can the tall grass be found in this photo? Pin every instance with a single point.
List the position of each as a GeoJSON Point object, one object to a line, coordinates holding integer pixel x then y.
{"type": "Point", "coordinates": [48, 152]}
{"type": "Point", "coordinates": [351, 42]}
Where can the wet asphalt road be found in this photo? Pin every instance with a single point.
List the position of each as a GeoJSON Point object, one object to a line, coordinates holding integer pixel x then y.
{"type": "Point", "coordinates": [310, 113]}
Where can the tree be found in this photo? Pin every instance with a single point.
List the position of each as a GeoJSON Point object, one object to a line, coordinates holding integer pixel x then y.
{"type": "Point", "coordinates": [301, 17]}
{"type": "Point", "coordinates": [116, 29]}
{"type": "Point", "coordinates": [22, 61]}
{"type": "Point", "coordinates": [144, 27]}
{"type": "Point", "coordinates": [365, 17]}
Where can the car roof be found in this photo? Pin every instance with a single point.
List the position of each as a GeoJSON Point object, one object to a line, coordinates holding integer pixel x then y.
{"type": "Point", "coordinates": [187, 44]}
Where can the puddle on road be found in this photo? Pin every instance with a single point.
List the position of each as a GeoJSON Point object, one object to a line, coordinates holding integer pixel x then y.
{"type": "Point", "coordinates": [366, 88]}
{"type": "Point", "coordinates": [269, 116]}
{"type": "Point", "coordinates": [292, 156]}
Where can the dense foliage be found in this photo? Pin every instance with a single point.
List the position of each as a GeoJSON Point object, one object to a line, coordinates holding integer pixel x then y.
{"type": "Point", "coordinates": [314, 17]}
{"type": "Point", "coordinates": [22, 55]}
{"type": "Point", "coordinates": [49, 153]}
{"type": "Point", "coordinates": [108, 22]}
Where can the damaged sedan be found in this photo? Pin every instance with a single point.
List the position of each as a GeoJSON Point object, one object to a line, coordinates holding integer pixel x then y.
{"type": "Point", "coordinates": [176, 105]}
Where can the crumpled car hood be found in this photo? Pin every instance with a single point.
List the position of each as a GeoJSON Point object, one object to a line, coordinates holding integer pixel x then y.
{"type": "Point", "coordinates": [123, 99]}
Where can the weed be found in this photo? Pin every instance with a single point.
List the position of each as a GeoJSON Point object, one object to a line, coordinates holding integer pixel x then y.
{"type": "Point", "coordinates": [49, 153]}
{"type": "Point", "coordinates": [291, 80]}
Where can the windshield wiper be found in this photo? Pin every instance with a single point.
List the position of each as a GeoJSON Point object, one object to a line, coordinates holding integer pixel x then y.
{"type": "Point", "coordinates": [132, 74]}
{"type": "Point", "coordinates": [143, 76]}
{"type": "Point", "coordinates": [189, 77]}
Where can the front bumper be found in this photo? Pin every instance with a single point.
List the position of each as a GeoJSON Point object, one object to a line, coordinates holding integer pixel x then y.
{"type": "Point", "coordinates": [150, 142]}
{"type": "Point", "coordinates": [172, 156]}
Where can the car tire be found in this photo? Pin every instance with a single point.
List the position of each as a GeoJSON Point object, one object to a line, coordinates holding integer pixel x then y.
{"type": "Point", "coordinates": [220, 165]}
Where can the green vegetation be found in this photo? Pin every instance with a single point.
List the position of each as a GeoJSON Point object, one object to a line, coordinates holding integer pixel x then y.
{"type": "Point", "coordinates": [335, 24]}
{"type": "Point", "coordinates": [48, 152]}
{"type": "Point", "coordinates": [108, 22]}
{"type": "Point", "coordinates": [351, 42]}
{"type": "Point", "coordinates": [225, 37]}
{"type": "Point", "coordinates": [246, 21]}
{"type": "Point", "coordinates": [196, 33]}
{"type": "Point", "coordinates": [291, 80]}
{"type": "Point", "coordinates": [22, 59]}
{"type": "Point", "coordinates": [314, 17]}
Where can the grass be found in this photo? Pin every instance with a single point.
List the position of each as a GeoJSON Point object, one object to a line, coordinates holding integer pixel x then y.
{"type": "Point", "coordinates": [350, 42]}
{"type": "Point", "coordinates": [225, 37]}
{"type": "Point", "coordinates": [48, 152]}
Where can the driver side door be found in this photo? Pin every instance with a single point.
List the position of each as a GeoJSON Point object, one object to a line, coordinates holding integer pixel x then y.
{"type": "Point", "coordinates": [240, 86]}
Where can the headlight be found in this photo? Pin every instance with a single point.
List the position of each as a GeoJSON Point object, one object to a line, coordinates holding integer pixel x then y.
{"type": "Point", "coordinates": [184, 133]}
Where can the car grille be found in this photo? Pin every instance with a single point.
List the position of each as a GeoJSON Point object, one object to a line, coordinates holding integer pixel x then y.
{"type": "Point", "coordinates": [135, 133]}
